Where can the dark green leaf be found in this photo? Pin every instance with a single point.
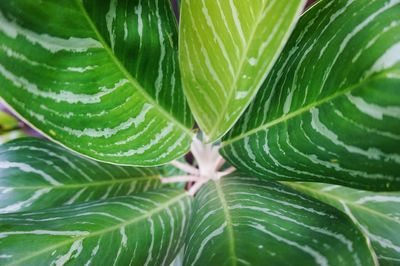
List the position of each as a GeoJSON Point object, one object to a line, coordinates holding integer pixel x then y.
{"type": "Point", "coordinates": [245, 221]}
{"type": "Point", "coordinates": [377, 215]}
{"type": "Point", "coordinates": [100, 77]}
{"type": "Point", "coordinates": [145, 229]}
{"type": "Point", "coordinates": [36, 174]}
{"type": "Point", "coordinates": [330, 109]}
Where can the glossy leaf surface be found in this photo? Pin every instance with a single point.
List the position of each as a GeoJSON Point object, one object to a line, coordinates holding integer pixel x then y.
{"type": "Point", "coordinates": [329, 111]}
{"type": "Point", "coordinates": [145, 229]}
{"type": "Point", "coordinates": [36, 174]}
{"type": "Point", "coordinates": [245, 221]}
{"type": "Point", "coordinates": [100, 77]}
{"type": "Point", "coordinates": [377, 215]}
{"type": "Point", "coordinates": [226, 50]}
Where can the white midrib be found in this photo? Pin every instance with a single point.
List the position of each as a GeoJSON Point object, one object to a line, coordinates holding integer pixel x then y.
{"type": "Point", "coordinates": [243, 59]}
{"type": "Point", "coordinates": [91, 184]}
{"type": "Point", "coordinates": [229, 225]}
{"type": "Point", "coordinates": [300, 111]}
{"type": "Point", "coordinates": [152, 212]}
{"type": "Point", "coordinates": [125, 72]}
{"type": "Point", "coordinates": [337, 199]}
{"type": "Point", "coordinates": [233, 85]}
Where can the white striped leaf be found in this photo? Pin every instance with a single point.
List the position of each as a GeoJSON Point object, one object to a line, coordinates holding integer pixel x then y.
{"type": "Point", "coordinates": [227, 47]}
{"type": "Point", "coordinates": [100, 77]}
{"type": "Point", "coordinates": [11, 135]}
{"type": "Point", "coordinates": [377, 215]}
{"type": "Point", "coordinates": [246, 221]}
{"type": "Point", "coordinates": [145, 229]}
{"type": "Point", "coordinates": [36, 174]}
{"type": "Point", "coordinates": [329, 111]}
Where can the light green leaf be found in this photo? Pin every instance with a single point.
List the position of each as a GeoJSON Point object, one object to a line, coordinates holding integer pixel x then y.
{"type": "Point", "coordinates": [246, 221]}
{"type": "Point", "coordinates": [7, 122]}
{"type": "Point", "coordinates": [329, 111]}
{"type": "Point", "coordinates": [145, 229]}
{"type": "Point", "coordinates": [100, 77]}
{"type": "Point", "coordinates": [9, 128]}
{"type": "Point", "coordinates": [377, 215]}
{"type": "Point", "coordinates": [36, 174]}
{"type": "Point", "coordinates": [226, 50]}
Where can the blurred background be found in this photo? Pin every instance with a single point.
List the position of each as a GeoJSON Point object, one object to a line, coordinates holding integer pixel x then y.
{"type": "Point", "coordinates": [11, 127]}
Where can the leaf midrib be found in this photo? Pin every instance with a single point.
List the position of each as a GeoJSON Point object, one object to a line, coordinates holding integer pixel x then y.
{"type": "Point", "coordinates": [228, 218]}
{"type": "Point", "coordinates": [338, 199]}
{"type": "Point", "coordinates": [307, 108]}
{"type": "Point", "coordinates": [126, 73]}
{"type": "Point", "coordinates": [242, 63]}
{"type": "Point", "coordinates": [152, 212]}
{"type": "Point", "coordinates": [89, 184]}
{"type": "Point", "coordinates": [233, 85]}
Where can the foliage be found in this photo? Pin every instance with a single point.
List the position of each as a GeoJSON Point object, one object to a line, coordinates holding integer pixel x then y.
{"type": "Point", "coordinates": [9, 128]}
{"type": "Point", "coordinates": [281, 99]}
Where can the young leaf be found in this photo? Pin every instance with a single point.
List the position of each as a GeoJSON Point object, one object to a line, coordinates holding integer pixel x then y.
{"type": "Point", "coordinates": [7, 122]}
{"type": "Point", "coordinates": [9, 128]}
{"type": "Point", "coordinates": [100, 77]}
{"type": "Point", "coordinates": [146, 229]}
{"type": "Point", "coordinates": [246, 221]}
{"type": "Point", "coordinates": [226, 50]}
{"type": "Point", "coordinates": [36, 174]}
{"type": "Point", "coordinates": [329, 111]}
{"type": "Point", "coordinates": [377, 215]}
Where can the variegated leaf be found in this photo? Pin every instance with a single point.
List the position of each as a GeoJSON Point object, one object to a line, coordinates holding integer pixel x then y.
{"type": "Point", "coordinates": [246, 221]}
{"type": "Point", "coordinates": [11, 135]}
{"type": "Point", "coordinates": [145, 229]}
{"type": "Point", "coordinates": [36, 174]}
{"type": "Point", "coordinates": [329, 111]}
{"type": "Point", "coordinates": [100, 77]}
{"type": "Point", "coordinates": [227, 48]}
{"type": "Point", "coordinates": [377, 215]}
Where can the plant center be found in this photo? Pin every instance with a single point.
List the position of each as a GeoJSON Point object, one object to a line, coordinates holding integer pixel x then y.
{"type": "Point", "coordinates": [208, 160]}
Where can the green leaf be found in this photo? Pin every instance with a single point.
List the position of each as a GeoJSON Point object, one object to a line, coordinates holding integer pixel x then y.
{"type": "Point", "coordinates": [377, 215]}
{"type": "Point", "coordinates": [226, 50]}
{"type": "Point", "coordinates": [145, 229]}
{"type": "Point", "coordinates": [9, 128]}
{"type": "Point", "coordinates": [36, 174]}
{"type": "Point", "coordinates": [11, 135]}
{"type": "Point", "coordinates": [246, 221]}
{"type": "Point", "coordinates": [329, 111]}
{"type": "Point", "coordinates": [7, 122]}
{"type": "Point", "coordinates": [100, 77]}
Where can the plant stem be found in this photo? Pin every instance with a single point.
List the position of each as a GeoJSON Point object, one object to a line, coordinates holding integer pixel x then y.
{"type": "Point", "coordinates": [192, 191]}
{"type": "Point", "coordinates": [185, 167]}
{"type": "Point", "coordinates": [220, 163]}
{"type": "Point", "coordinates": [228, 171]}
{"type": "Point", "coordinates": [179, 179]}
